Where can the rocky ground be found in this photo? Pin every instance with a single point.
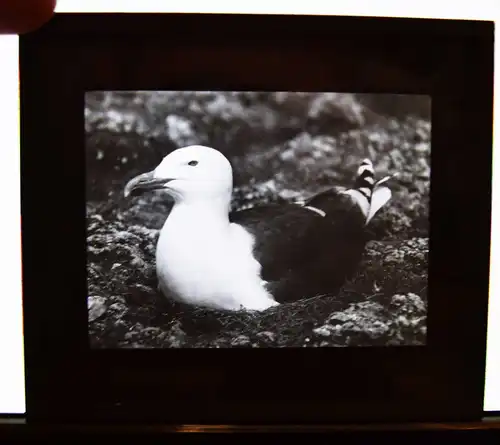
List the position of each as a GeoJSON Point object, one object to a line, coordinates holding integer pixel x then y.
{"type": "Point", "coordinates": [283, 147]}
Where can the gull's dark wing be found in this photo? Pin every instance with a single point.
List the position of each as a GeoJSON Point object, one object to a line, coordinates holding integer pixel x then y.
{"type": "Point", "coordinates": [282, 236]}
{"type": "Point", "coordinates": [301, 252]}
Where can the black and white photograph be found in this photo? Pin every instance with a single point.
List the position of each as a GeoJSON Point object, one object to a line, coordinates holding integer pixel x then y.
{"type": "Point", "coordinates": [220, 219]}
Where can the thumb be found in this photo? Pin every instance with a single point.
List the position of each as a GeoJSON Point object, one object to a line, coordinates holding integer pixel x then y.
{"type": "Point", "coordinates": [21, 16]}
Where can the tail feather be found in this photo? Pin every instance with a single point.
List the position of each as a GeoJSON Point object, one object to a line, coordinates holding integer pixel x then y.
{"type": "Point", "coordinates": [370, 196]}
{"type": "Point", "coordinates": [380, 197]}
{"type": "Point", "coordinates": [365, 179]}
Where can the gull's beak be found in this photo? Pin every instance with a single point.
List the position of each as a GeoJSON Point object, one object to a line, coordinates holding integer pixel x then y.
{"type": "Point", "coordinates": [142, 183]}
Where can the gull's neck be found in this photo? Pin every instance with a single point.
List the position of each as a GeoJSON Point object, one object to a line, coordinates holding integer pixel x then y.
{"type": "Point", "coordinates": [212, 213]}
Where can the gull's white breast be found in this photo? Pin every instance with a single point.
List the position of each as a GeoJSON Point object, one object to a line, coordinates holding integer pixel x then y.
{"type": "Point", "coordinates": [208, 264]}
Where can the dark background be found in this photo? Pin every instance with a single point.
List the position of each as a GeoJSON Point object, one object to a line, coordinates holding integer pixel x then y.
{"type": "Point", "coordinates": [283, 146]}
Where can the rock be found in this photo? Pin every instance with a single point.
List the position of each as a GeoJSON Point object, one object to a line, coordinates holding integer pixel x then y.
{"type": "Point", "coordinates": [96, 306]}
{"type": "Point", "coordinates": [324, 331]}
{"type": "Point", "coordinates": [180, 130]}
{"type": "Point", "coordinates": [241, 340]}
{"type": "Point", "coordinates": [176, 336]}
{"type": "Point", "coordinates": [266, 336]}
{"type": "Point", "coordinates": [330, 110]}
{"type": "Point", "coordinates": [370, 323]}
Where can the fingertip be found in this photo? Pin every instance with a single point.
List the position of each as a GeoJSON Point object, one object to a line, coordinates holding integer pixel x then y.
{"type": "Point", "coordinates": [22, 16]}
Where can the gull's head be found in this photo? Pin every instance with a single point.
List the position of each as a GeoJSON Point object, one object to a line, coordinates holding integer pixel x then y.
{"type": "Point", "coordinates": [191, 173]}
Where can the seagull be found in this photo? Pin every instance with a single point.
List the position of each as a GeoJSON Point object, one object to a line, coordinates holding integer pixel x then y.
{"type": "Point", "coordinates": [257, 258]}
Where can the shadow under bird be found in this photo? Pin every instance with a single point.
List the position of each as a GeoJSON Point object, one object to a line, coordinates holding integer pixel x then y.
{"type": "Point", "coordinates": [260, 257]}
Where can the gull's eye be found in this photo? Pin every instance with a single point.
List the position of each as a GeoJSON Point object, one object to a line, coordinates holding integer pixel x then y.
{"type": "Point", "coordinates": [193, 163]}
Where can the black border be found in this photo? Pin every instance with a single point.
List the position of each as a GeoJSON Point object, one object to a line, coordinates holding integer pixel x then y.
{"type": "Point", "coordinates": [451, 60]}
